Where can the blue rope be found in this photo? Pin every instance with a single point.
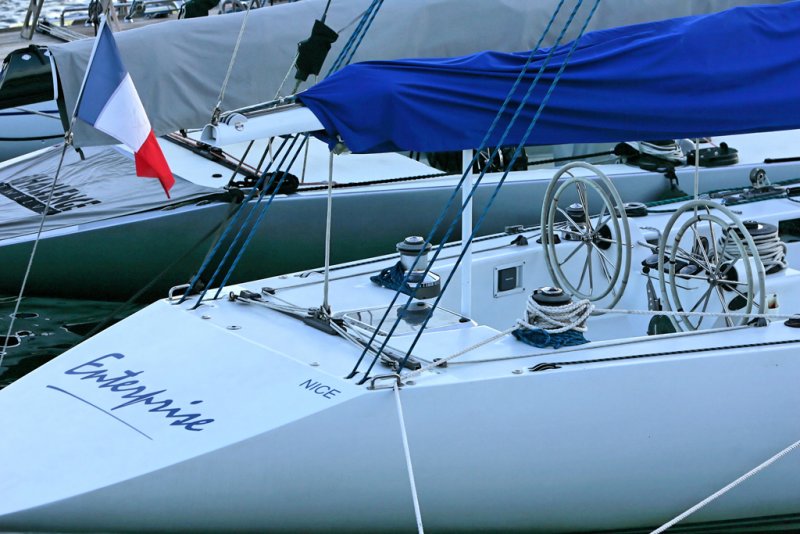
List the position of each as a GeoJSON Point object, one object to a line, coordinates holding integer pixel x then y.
{"type": "Point", "coordinates": [354, 49]}
{"type": "Point", "coordinates": [393, 278]}
{"type": "Point", "coordinates": [517, 152]}
{"type": "Point", "coordinates": [231, 224]}
{"type": "Point", "coordinates": [537, 337]}
{"type": "Point", "coordinates": [453, 196]}
{"type": "Point", "coordinates": [357, 35]}
{"type": "Point", "coordinates": [244, 225]}
{"type": "Point", "coordinates": [261, 216]}
{"type": "Point", "coordinates": [350, 47]}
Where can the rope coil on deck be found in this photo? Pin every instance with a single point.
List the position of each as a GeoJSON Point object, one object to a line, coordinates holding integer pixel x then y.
{"type": "Point", "coordinates": [769, 246]}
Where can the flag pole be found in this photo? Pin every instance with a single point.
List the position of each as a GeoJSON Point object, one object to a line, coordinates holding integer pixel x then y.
{"type": "Point", "coordinates": [67, 142]}
{"type": "Point", "coordinates": [68, 135]}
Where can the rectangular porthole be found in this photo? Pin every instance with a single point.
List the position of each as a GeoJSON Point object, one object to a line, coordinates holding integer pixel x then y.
{"type": "Point", "coordinates": [508, 279]}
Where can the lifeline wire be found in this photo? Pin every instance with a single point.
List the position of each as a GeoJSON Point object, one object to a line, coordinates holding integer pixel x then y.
{"type": "Point", "coordinates": [453, 195]}
{"type": "Point", "coordinates": [489, 204]}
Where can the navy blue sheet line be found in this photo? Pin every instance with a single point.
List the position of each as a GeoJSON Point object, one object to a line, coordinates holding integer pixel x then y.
{"type": "Point", "coordinates": [735, 71]}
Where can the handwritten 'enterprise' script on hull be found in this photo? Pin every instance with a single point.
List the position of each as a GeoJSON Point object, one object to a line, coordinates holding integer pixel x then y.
{"type": "Point", "coordinates": [134, 392]}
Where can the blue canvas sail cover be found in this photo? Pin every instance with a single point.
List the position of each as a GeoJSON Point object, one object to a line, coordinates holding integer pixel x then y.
{"type": "Point", "coordinates": [736, 71]}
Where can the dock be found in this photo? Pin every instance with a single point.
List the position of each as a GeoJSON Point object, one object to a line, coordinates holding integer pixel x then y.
{"type": "Point", "coordinates": [54, 32]}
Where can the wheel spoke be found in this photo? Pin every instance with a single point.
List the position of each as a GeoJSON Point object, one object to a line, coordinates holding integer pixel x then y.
{"type": "Point", "coordinates": [584, 204]}
{"type": "Point", "coordinates": [600, 221]}
{"type": "Point", "coordinates": [713, 237]}
{"type": "Point", "coordinates": [698, 241]}
{"type": "Point", "coordinates": [571, 254]}
{"type": "Point", "coordinates": [705, 296]}
{"type": "Point", "coordinates": [725, 309]}
{"type": "Point", "coordinates": [603, 262]}
{"type": "Point", "coordinates": [571, 221]}
{"type": "Point", "coordinates": [583, 272]}
{"type": "Point", "coordinates": [705, 307]}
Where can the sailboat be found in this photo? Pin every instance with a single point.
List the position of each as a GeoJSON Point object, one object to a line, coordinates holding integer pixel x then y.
{"type": "Point", "coordinates": [127, 226]}
{"type": "Point", "coordinates": [614, 366]}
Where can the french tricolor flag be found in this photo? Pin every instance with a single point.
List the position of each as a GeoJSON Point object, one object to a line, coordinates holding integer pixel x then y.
{"type": "Point", "coordinates": [110, 103]}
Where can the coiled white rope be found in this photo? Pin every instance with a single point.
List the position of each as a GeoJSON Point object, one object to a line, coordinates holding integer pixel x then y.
{"type": "Point", "coordinates": [552, 319]}
{"type": "Point", "coordinates": [770, 248]}
{"type": "Point", "coordinates": [558, 319]}
{"type": "Point", "coordinates": [409, 467]}
{"type": "Point", "coordinates": [727, 488]}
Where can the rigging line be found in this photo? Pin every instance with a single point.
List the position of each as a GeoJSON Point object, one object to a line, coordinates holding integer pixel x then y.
{"type": "Point", "coordinates": [496, 191]}
{"type": "Point", "coordinates": [241, 161]}
{"type": "Point", "coordinates": [67, 142]}
{"type": "Point", "coordinates": [468, 170]}
{"type": "Point", "coordinates": [216, 111]}
{"type": "Point", "coordinates": [409, 466]}
{"type": "Point", "coordinates": [243, 224]}
{"type": "Point", "coordinates": [38, 113]}
{"type": "Point", "coordinates": [325, 306]}
{"type": "Point", "coordinates": [354, 48]}
{"type": "Point", "coordinates": [355, 19]}
{"type": "Point", "coordinates": [325, 13]}
{"type": "Point", "coordinates": [221, 240]}
{"type": "Point", "coordinates": [460, 184]}
{"type": "Point", "coordinates": [261, 216]}
{"type": "Point", "coordinates": [353, 36]}
{"type": "Point", "coordinates": [727, 488]}
{"type": "Point", "coordinates": [33, 250]}
{"type": "Point", "coordinates": [243, 157]}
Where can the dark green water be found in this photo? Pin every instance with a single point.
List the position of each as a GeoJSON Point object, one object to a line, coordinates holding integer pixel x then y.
{"type": "Point", "coordinates": [44, 328]}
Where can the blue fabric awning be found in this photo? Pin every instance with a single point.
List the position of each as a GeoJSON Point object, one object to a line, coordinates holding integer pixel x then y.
{"type": "Point", "coordinates": [736, 71]}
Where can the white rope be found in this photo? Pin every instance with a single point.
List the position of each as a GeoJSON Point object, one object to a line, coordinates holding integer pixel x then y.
{"type": "Point", "coordinates": [727, 488]}
{"type": "Point", "coordinates": [558, 319]}
{"type": "Point", "coordinates": [442, 361]}
{"type": "Point", "coordinates": [697, 313]}
{"type": "Point", "coordinates": [407, 452]}
{"type": "Point", "coordinates": [770, 248]}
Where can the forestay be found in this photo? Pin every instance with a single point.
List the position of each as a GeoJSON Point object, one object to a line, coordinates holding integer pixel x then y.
{"type": "Point", "coordinates": [178, 67]}
{"type": "Point", "coordinates": [675, 78]}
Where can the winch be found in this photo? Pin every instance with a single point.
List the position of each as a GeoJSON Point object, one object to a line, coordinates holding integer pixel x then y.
{"type": "Point", "coordinates": [419, 284]}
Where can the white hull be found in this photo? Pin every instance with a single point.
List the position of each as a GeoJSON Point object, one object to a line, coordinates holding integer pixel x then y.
{"type": "Point", "coordinates": [602, 442]}
{"type": "Point", "coordinates": [292, 237]}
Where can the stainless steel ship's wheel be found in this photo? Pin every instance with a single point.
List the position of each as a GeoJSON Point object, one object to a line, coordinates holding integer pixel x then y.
{"type": "Point", "coordinates": [695, 275]}
{"type": "Point", "coordinates": [599, 263]}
